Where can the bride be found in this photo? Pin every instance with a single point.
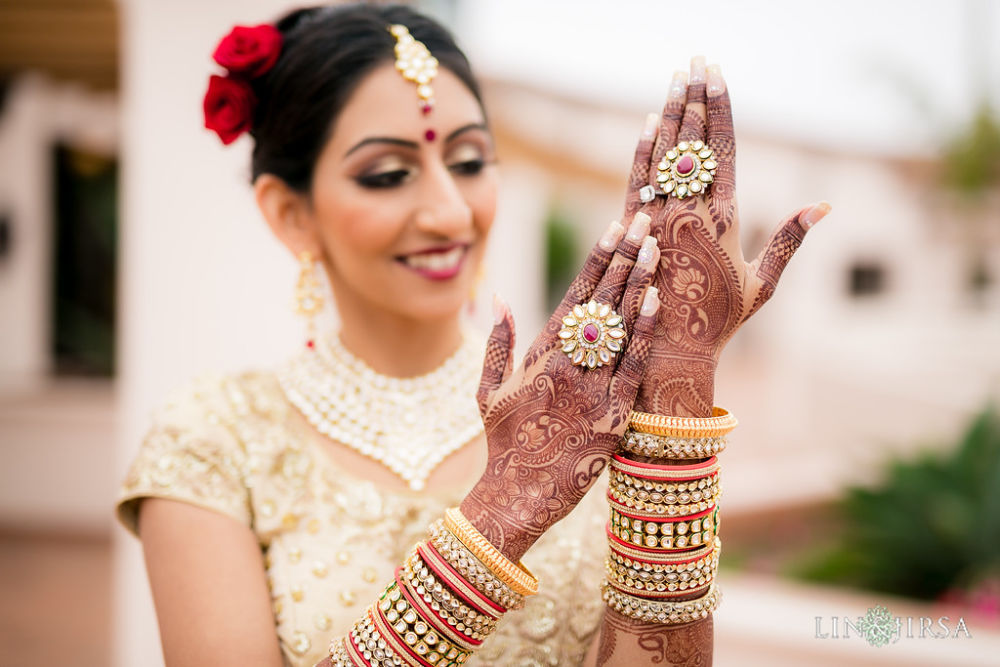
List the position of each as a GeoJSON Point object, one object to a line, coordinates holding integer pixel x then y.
{"type": "Point", "coordinates": [278, 509]}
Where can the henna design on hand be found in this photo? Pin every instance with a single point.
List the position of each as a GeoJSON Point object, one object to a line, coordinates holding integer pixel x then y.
{"type": "Point", "coordinates": [629, 643]}
{"type": "Point", "coordinates": [551, 426]}
{"type": "Point", "coordinates": [707, 289]}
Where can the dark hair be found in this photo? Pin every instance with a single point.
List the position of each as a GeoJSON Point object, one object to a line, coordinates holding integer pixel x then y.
{"type": "Point", "coordinates": [325, 53]}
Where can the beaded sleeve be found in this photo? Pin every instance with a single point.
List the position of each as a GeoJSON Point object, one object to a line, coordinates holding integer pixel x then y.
{"type": "Point", "coordinates": [189, 455]}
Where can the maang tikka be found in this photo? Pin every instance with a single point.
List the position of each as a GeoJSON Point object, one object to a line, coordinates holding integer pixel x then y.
{"type": "Point", "coordinates": [416, 64]}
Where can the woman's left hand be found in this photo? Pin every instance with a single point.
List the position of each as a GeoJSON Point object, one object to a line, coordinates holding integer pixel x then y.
{"type": "Point", "coordinates": [707, 290]}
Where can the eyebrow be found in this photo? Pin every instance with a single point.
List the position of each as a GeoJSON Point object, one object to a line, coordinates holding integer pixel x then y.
{"type": "Point", "coordinates": [406, 143]}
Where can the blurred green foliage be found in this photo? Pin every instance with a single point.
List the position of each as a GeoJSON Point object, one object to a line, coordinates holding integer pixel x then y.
{"type": "Point", "coordinates": [972, 158]}
{"type": "Point", "coordinates": [931, 526]}
{"type": "Point", "coordinates": [561, 256]}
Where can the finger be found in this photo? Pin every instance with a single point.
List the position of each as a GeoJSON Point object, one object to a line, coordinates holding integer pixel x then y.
{"type": "Point", "coordinates": [628, 375]}
{"type": "Point", "coordinates": [499, 361]}
{"type": "Point", "coordinates": [693, 121]}
{"type": "Point", "coordinates": [641, 277]}
{"type": "Point", "coordinates": [612, 284]}
{"type": "Point", "coordinates": [639, 176]}
{"type": "Point", "coordinates": [670, 119]}
{"type": "Point", "coordinates": [593, 270]}
{"type": "Point", "coordinates": [720, 135]}
{"type": "Point", "coordinates": [785, 240]}
{"type": "Point", "coordinates": [583, 285]}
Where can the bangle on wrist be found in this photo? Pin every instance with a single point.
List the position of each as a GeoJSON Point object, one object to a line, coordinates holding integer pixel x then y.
{"type": "Point", "coordinates": [665, 612]}
{"type": "Point", "coordinates": [719, 424]}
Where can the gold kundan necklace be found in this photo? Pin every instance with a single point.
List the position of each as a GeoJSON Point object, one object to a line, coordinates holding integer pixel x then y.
{"type": "Point", "coordinates": [408, 425]}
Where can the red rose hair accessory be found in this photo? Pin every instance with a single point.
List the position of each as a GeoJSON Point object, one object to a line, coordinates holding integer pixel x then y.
{"type": "Point", "coordinates": [247, 53]}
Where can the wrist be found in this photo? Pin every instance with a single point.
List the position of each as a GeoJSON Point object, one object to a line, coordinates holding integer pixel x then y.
{"type": "Point", "coordinates": [484, 513]}
{"type": "Point", "coordinates": [678, 385]}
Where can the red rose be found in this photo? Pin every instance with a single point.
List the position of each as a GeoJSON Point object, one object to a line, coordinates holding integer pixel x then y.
{"type": "Point", "coordinates": [249, 51]}
{"type": "Point", "coordinates": [229, 107]}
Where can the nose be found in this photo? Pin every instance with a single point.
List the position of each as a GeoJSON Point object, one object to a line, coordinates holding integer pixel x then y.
{"type": "Point", "coordinates": [442, 209]}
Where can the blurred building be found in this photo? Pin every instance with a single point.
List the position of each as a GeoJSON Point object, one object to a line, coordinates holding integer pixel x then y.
{"type": "Point", "coordinates": [132, 257]}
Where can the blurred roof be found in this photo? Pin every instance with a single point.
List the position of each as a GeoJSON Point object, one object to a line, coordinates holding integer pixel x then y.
{"type": "Point", "coordinates": [888, 76]}
{"type": "Point", "coordinates": [70, 40]}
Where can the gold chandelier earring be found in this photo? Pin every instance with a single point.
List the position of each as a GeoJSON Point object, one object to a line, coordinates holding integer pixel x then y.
{"type": "Point", "coordinates": [308, 295]}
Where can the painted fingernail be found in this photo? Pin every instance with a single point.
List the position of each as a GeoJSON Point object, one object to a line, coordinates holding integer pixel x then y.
{"type": "Point", "coordinates": [678, 86]}
{"type": "Point", "coordinates": [650, 302]}
{"type": "Point", "coordinates": [499, 309]}
{"type": "Point", "coordinates": [716, 84]}
{"type": "Point", "coordinates": [639, 228]}
{"type": "Point", "coordinates": [815, 214]}
{"type": "Point", "coordinates": [649, 129]}
{"type": "Point", "coordinates": [645, 255]}
{"type": "Point", "coordinates": [611, 237]}
{"type": "Point", "coordinates": [697, 70]}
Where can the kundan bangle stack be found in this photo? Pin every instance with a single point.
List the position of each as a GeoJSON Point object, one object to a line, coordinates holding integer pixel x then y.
{"type": "Point", "coordinates": [442, 604]}
{"type": "Point", "coordinates": [663, 544]}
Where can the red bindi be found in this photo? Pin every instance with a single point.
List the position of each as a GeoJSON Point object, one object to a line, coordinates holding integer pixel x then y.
{"type": "Point", "coordinates": [430, 135]}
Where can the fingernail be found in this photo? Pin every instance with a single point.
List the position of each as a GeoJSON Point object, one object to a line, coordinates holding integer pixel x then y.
{"type": "Point", "coordinates": [716, 84]}
{"type": "Point", "coordinates": [645, 255]}
{"type": "Point", "coordinates": [639, 228]}
{"type": "Point", "coordinates": [499, 309]}
{"type": "Point", "coordinates": [611, 237]}
{"type": "Point", "coordinates": [678, 86]}
{"type": "Point", "coordinates": [649, 129]}
{"type": "Point", "coordinates": [815, 214]}
{"type": "Point", "coordinates": [697, 70]}
{"type": "Point", "coordinates": [650, 302]}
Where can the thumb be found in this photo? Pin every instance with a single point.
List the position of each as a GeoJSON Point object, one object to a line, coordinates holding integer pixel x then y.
{"type": "Point", "coordinates": [499, 361]}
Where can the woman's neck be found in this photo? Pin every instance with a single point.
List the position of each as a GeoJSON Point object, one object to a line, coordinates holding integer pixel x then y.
{"type": "Point", "coordinates": [395, 345]}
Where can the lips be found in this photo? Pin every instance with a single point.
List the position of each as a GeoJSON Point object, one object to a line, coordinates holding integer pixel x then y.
{"type": "Point", "coordinates": [437, 264]}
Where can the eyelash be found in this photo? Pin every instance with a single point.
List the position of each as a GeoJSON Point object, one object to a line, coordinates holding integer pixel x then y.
{"type": "Point", "coordinates": [391, 179]}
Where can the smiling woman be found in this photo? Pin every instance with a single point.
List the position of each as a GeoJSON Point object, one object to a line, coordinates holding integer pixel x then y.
{"type": "Point", "coordinates": [369, 502]}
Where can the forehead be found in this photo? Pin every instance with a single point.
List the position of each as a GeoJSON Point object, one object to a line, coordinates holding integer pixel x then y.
{"type": "Point", "coordinates": [386, 105]}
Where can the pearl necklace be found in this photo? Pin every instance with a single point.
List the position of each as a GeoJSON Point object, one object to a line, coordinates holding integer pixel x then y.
{"type": "Point", "coordinates": [408, 425]}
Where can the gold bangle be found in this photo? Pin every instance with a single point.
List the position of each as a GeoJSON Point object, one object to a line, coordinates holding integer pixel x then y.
{"type": "Point", "coordinates": [657, 497]}
{"type": "Point", "coordinates": [652, 580]}
{"type": "Point", "coordinates": [670, 447]}
{"type": "Point", "coordinates": [657, 534]}
{"type": "Point", "coordinates": [676, 559]}
{"type": "Point", "coordinates": [395, 615]}
{"type": "Point", "coordinates": [650, 510]}
{"type": "Point", "coordinates": [448, 605]}
{"type": "Point", "coordinates": [666, 612]}
{"type": "Point", "coordinates": [515, 576]}
{"type": "Point", "coordinates": [720, 423]}
{"type": "Point", "coordinates": [478, 576]}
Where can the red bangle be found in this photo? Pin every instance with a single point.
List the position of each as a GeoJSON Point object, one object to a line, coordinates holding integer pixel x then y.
{"type": "Point", "coordinates": [448, 575]}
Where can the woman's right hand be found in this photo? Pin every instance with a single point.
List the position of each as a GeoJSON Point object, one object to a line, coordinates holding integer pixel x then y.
{"type": "Point", "coordinates": [552, 426]}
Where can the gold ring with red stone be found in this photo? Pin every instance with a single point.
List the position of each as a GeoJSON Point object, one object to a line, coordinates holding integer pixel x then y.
{"type": "Point", "coordinates": [687, 169]}
{"type": "Point", "coordinates": [592, 334]}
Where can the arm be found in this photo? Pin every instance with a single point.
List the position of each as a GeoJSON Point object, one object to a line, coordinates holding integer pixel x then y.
{"type": "Point", "coordinates": [209, 586]}
{"type": "Point", "coordinates": [707, 292]}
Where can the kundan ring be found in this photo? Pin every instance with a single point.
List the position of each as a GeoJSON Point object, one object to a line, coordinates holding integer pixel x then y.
{"type": "Point", "coordinates": [687, 169]}
{"type": "Point", "coordinates": [592, 333]}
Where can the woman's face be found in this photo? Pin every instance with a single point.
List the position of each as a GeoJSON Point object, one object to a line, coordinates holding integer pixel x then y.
{"type": "Point", "coordinates": [403, 220]}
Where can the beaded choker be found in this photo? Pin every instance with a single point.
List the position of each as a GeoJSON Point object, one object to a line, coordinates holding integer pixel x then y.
{"type": "Point", "coordinates": [408, 425]}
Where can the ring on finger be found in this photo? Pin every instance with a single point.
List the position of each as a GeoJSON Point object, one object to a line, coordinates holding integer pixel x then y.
{"type": "Point", "coordinates": [686, 169]}
{"type": "Point", "coordinates": [647, 194]}
{"type": "Point", "coordinates": [592, 334]}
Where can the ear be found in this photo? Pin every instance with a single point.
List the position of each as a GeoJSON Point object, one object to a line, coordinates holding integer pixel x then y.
{"type": "Point", "coordinates": [288, 215]}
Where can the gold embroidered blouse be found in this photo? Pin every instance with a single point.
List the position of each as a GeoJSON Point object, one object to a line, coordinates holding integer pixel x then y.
{"type": "Point", "coordinates": [331, 541]}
